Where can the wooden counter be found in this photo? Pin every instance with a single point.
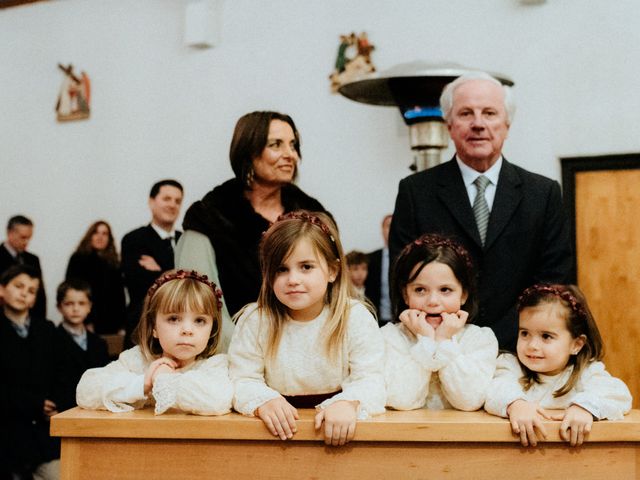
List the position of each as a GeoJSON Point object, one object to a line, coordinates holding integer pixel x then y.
{"type": "Point", "coordinates": [397, 445]}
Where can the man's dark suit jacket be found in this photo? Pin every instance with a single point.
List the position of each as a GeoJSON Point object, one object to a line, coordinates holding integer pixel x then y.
{"type": "Point", "coordinates": [527, 238]}
{"type": "Point", "coordinates": [372, 283]}
{"type": "Point", "coordinates": [7, 260]}
{"type": "Point", "coordinates": [142, 241]}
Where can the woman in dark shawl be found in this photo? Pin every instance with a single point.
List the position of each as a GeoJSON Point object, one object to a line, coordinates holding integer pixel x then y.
{"type": "Point", "coordinates": [223, 230]}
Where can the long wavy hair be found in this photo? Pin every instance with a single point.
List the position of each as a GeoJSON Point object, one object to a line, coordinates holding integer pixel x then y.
{"type": "Point", "coordinates": [277, 244]}
{"type": "Point", "coordinates": [109, 254]}
{"type": "Point", "coordinates": [579, 321]}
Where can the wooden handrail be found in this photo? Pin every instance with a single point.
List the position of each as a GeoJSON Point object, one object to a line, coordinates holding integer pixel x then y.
{"type": "Point", "coordinates": [394, 426]}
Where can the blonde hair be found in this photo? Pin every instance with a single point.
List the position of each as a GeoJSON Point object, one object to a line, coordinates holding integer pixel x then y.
{"type": "Point", "coordinates": [277, 244]}
{"type": "Point", "coordinates": [175, 296]}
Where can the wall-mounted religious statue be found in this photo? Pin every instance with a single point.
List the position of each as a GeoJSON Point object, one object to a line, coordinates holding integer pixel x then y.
{"type": "Point", "coordinates": [353, 59]}
{"type": "Point", "coordinates": [74, 97]}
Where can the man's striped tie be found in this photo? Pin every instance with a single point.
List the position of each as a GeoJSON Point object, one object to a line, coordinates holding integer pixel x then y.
{"type": "Point", "coordinates": [480, 206]}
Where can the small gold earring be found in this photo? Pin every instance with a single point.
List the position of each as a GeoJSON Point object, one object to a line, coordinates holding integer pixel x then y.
{"type": "Point", "coordinates": [250, 177]}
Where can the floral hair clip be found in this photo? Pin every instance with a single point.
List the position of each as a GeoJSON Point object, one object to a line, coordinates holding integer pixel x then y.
{"type": "Point", "coordinates": [542, 289]}
{"type": "Point", "coordinates": [181, 275]}
{"type": "Point", "coordinates": [435, 241]}
{"type": "Point", "coordinates": [308, 217]}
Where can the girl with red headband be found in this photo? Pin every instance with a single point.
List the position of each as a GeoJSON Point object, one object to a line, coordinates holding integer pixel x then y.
{"type": "Point", "coordinates": [173, 365]}
{"type": "Point", "coordinates": [435, 357]}
{"type": "Point", "coordinates": [307, 342]}
{"type": "Point", "coordinates": [558, 366]}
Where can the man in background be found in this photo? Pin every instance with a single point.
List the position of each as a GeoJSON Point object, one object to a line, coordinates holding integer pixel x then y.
{"type": "Point", "coordinates": [147, 251]}
{"type": "Point", "coordinates": [13, 251]}
{"type": "Point", "coordinates": [376, 286]}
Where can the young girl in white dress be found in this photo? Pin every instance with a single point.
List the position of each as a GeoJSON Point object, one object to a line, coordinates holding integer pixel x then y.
{"type": "Point", "coordinates": [173, 365]}
{"type": "Point", "coordinates": [558, 367]}
{"type": "Point", "coordinates": [306, 342]}
{"type": "Point", "coordinates": [435, 358]}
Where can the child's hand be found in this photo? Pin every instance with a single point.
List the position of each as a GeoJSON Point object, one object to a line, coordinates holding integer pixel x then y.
{"type": "Point", "coordinates": [50, 408]}
{"type": "Point", "coordinates": [525, 418]}
{"type": "Point", "coordinates": [579, 421]}
{"type": "Point", "coordinates": [279, 416]}
{"type": "Point", "coordinates": [162, 368]}
{"type": "Point", "coordinates": [339, 422]}
{"type": "Point", "coordinates": [451, 324]}
{"type": "Point", "coordinates": [160, 365]}
{"type": "Point", "coordinates": [416, 322]}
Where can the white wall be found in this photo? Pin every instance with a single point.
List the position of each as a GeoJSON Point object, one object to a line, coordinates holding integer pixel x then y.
{"type": "Point", "coordinates": [161, 109]}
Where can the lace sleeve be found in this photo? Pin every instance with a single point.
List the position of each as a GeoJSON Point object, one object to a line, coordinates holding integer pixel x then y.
{"type": "Point", "coordinates": [203, 390]}
{"type": "Point", "coordinates": [505, 387]}
{"type": "Point", "coordinates": [365, 382]}
{"type": "Point", "coordinates": [407, 381]}
{"type": "Point", "coordinates": [469, 362]}
{"type": "Point", "coordinates": [118, 387]}
{"type": "Point", "coordinates": [246, 365]}
{"type": "Point", "coordinates": [605, 396]}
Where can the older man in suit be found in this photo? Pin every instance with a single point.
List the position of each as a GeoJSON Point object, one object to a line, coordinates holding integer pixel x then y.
{"type": "Point", "coordinates": [511, 220]}
{"type": "Point", "coordinates": [147, 251]}
{"type": "Point", "coordinates": [13, 251]}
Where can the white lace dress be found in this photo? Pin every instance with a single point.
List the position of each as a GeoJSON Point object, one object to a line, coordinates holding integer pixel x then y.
{"type": "Point", "coordinates": [202, 388]}
{"type": "Point", "coordinates": [606, 397]}
{"type": "Point", "coordinates": [423, 373]}
{"type": "Point", "coordinates": [301, 366]}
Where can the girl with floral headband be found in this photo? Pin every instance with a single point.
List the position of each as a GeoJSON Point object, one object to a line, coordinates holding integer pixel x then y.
{"type": "Point", "coordinates": [307, 342]}
{"type": "Point", "coordinates": [557, 367]}
{"type": "Point", "coordinates": [173, 365]}
{"type": "Point", "coordinates": [435, 357]}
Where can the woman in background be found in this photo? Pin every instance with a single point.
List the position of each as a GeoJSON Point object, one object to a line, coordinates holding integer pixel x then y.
{"type": "Point", "coordinates": [96, 261]}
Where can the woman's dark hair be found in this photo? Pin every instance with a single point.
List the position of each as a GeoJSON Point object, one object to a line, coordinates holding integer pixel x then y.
{"type": "Point", "coordinates": [109, 254]}
{"type": "Point", "coordinates": [250, 138]}
{"type": "Point", "coordinates": [424, 250]}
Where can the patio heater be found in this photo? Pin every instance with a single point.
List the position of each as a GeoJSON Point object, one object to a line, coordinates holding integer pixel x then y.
{"type": "Point", "coordinates": [415, 89]}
